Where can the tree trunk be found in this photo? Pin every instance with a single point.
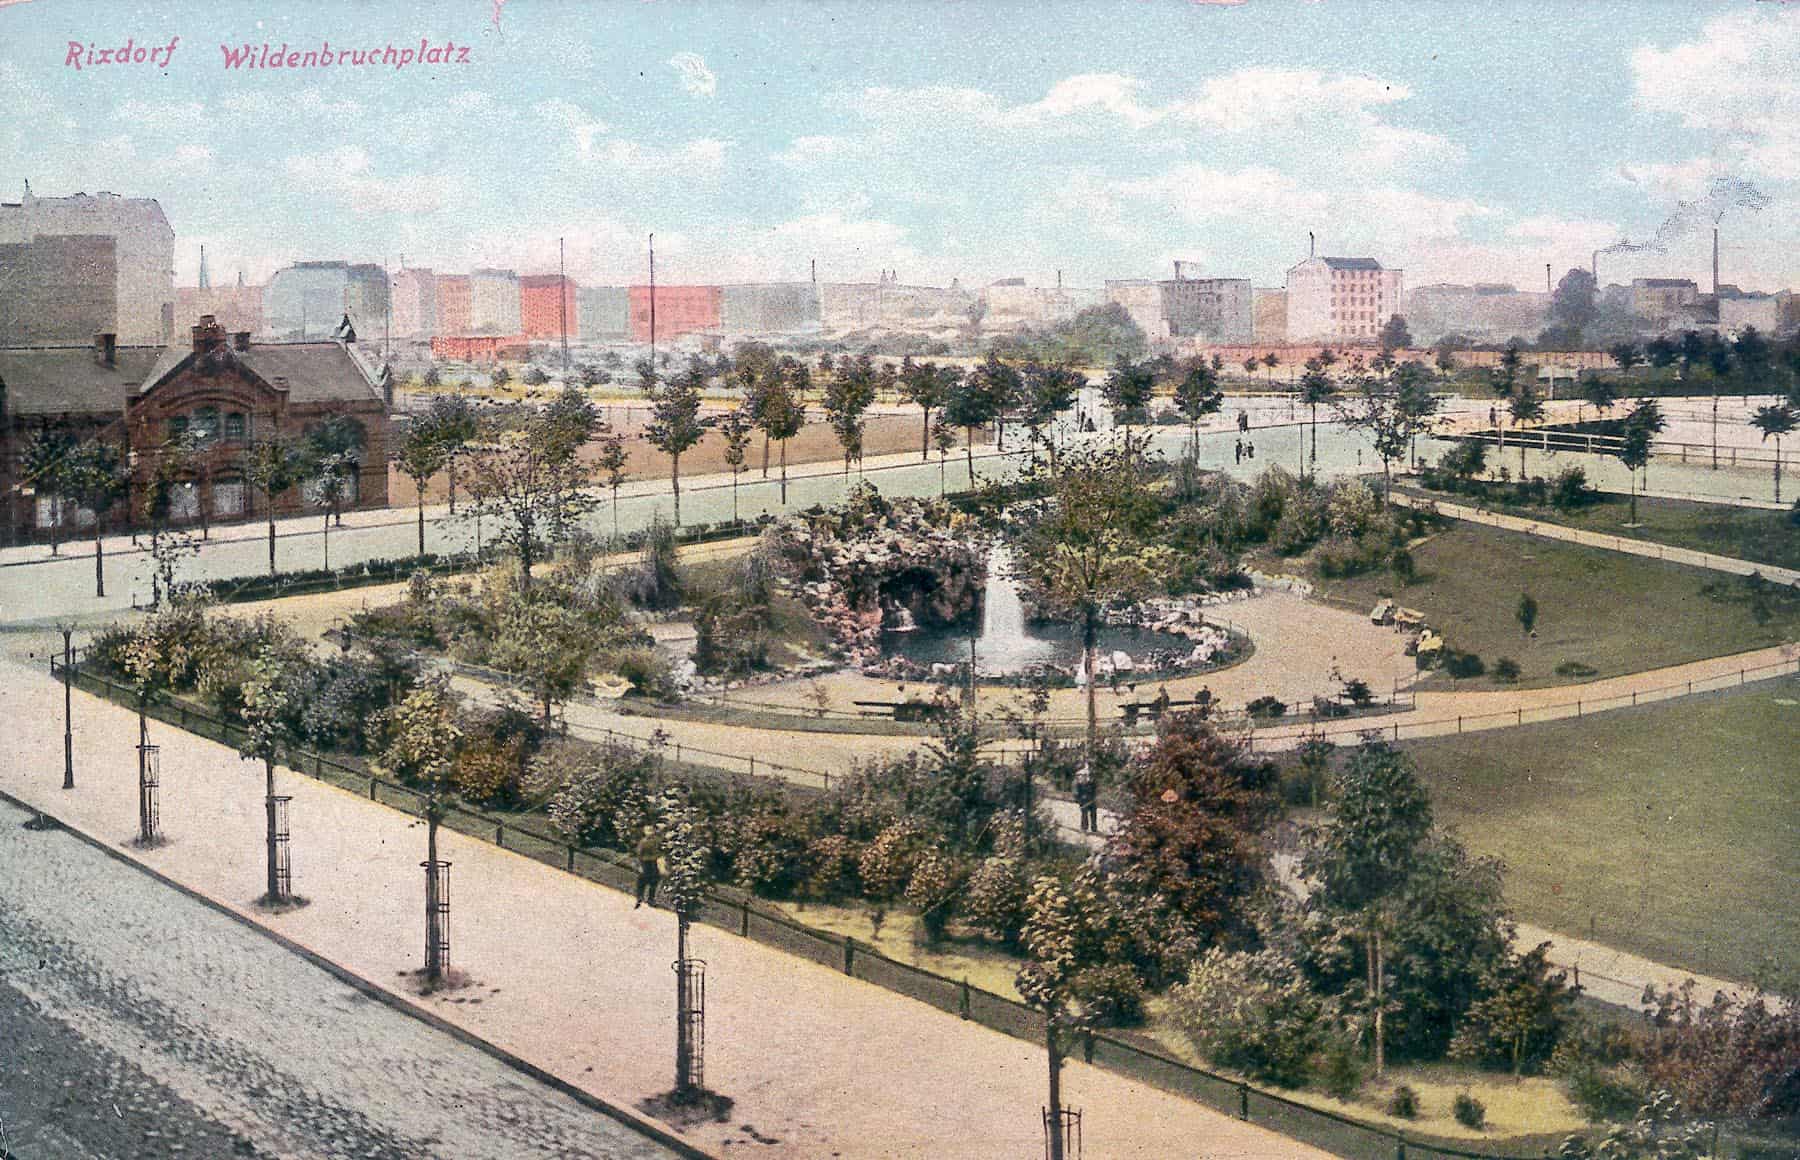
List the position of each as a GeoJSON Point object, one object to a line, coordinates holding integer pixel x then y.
{"type": "Point", "coordinates": [434, 965]}
{"type": "Point", "coordinates": [675, 483]}
{"type": "Point", "coordinates": [784, 473]}
{"type": "Point", "coordinates": [525, 560]}
{"type": "Point", "coordinates": [734, 495]}
{"type": "Point", "coordinates": [969, 450]}
{"type": "Point", "coordinates": [1376, 976]}
{"type": "Point", "coordinates": [765, 462]}
{"type": "Point", "coordinates": [1089, 633]}
{"type": "Point", "coordinates": [271, 537]}
{"type": "Point", "coordinates": [1055, 1058]}
{"type": "Point", "coordinates": [100, 568]}
{"type": "Point", "coordinates": [421, 521]}
{"type": "Point", "coordinates": [925, 437]}
{"type": "Point", "coordinates": [684, 1048]}
{"type": "Point", "coordinates": [1715, 426]}
{"type": "Point", "coordinates": [328, 541]}
{"type": "Point", "coordinates": [450, 468]}
{"type": "Point", "coordinates": [275, 893]}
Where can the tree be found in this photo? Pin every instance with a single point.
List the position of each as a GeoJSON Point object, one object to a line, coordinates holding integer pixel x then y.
{"type": "Point", "coordinates": [1625, 355]}
{"type": "Point", "coordinates": [1572, 304]}
{"type": "Point", "coordinates": [333, 451]}
{"type": "Point", "coordinates": [268, 708]}
{"type": "Point", "coordinates": [545, 644]}
{"type": "Point", "coordinates": [1414, 403]}
{"type": "Point", "coordinates": [1046, 982]}
{"type": "Point", "coordinates": [1394, 335]}
{"type": "Point", "coordinates": [736, 429]}
{"type": "Point", "coordinates": [1527, 612]}
{"type": "Point", "coordinates": [943, 437]}
{"type": "Point", "coordinates": [848, 398]}
{"type": "Point", "coordinates": [1047, 390]}
{"type": "Point", "coordinates": [454, 424]}
{"type": "Point", "coordinates": [685, 887]}
{"type": "Point", "coordinates": [1270, 361]}
{"type": "Point", "coordinates": [1002, 387]}
{"type": "Point", "coordinates": [925, 388]}
{"type": "Point", "coordinates": [421, 457]}
{"type": "Point", "coordinates": [1378, 821]}
{"type": "Point", "coordinates": [1641, 428]}
{"type": "Point", "coordinates": [1525, 407]}
{"type": "Point", "coordinates": [1129, 387]}
{"type": "Point", "coordinates": [272, 466]}
{"type": "Point", "coordinates": [1660, 352]}
{"type": "Point", "coordinates": [499, 378]}
{"type": "Point", "coordinates": [1776, 421]}
{"type": "Point", "coordinates": [1446, 362]}
{"type": "Point", "coordinates": [49, 456]}
{"type": "Point", "coordinates": [1520, 1016]}
{"type": "Point", "coordinates": [96, 479]}
{"type": "Point", "coordinates": [1752, 351]}
{"type": "Point", "coordinates": [168, 546]}
{"type": "Point", "coordinates": [610, 462]}
{"type": "Point", "coordinates": [1599, 393]}
{"type": "Point", "coordinates": [675, 425]}
{"type": "Point", "coordinates": [1197, 396]}
{"type": "Point", "coordinates": [781, 414]}
{"type": "Point", "coordinates": [972, 403]}
{"type": "Point", "coordinates": [420, 750]}
{"type": "Point", "coordinates": [1090, 544]}
{"type": "Point", "coordinates": [523, 476]}
{"type": "Point", "coordinates": [1389, 411]}
{"type": "Point", "coordinates": [1316, 386]}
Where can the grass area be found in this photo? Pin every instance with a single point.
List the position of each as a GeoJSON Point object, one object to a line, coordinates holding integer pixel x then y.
{"type": "Point", "coordinates": [1670, 830]}
{"type": "Point", "coordinates": [1761, 535]}
{"type": "Point", "coordinates": [899, 938]}
{"type": "Point", "coordinates": [1606, 611]}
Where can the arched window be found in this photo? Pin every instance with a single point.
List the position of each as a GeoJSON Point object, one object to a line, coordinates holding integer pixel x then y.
{"type": "Point", "coordinates": [228, 496]}
{"type": "Point", "coordinates": [205, 425]}
{"type": "Point", "coordinates": [178, 427]}
{"type": "Point", "coordinates": [236, 427]}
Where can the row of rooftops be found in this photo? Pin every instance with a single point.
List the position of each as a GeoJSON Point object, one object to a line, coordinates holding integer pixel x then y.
{"type": "Point", "coordinates": [100, 377]}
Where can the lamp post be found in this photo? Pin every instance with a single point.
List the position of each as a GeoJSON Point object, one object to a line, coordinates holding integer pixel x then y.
{"type": "Point", "coordinates": [68, 631]}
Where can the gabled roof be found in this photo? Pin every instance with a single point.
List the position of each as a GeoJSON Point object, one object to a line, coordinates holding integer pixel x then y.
{"type": "Point", "coordinates": [55, 380]}
{"type": "Point", "coordinates": [310, 372]}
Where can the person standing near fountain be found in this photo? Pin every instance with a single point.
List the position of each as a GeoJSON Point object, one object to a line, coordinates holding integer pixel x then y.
{"type": "Point", "coordinates": [1087, 796]}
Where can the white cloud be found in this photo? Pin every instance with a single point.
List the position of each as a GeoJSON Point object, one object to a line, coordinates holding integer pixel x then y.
{"type": "Point", "coordinates": [307, 105]}
{"type": "Point", "coordinates": [346, 173]}
{"type": "Point", "coordinates": [168, 116]}
{"type": "Point", "coordinates": [806, 152]}
{"type": "Point", "coordinates": [696, 79]}
{"type": "Point", "coordinates": [1737, 83]}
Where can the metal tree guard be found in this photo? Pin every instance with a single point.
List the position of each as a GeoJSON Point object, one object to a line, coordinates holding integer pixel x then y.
{"type": "Point", "coordinates": [691, 1017]}
{"type": "Point", "coordinates": [437, 917]}
{"type": "Point", "coordinates": [149, 778]}
{"type": "Point", "coordinates": [1063, 1123]}
{"type": "Point", "coordinates": [281, 883]}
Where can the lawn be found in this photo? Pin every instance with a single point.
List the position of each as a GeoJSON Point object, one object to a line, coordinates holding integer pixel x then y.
{"type": "Point", "coordinates": [1608, 612]}
{"type": "Point", "coordinates": [1671, 830]}
{"type": "Point", "coordinates": [1758, 534]}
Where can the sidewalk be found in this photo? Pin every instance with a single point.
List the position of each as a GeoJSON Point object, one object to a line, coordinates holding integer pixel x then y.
{"type": "Point", "coordinates": [566, 975]}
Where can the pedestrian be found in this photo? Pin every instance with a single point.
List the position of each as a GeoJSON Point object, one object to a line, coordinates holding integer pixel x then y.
{"type": "Point", "coordinates": [1240, 450]}
{"type": "Point", "coordinates": [1085, 796]}
{"type": "Point", "coordinates": [1493, 417]}
{"type": "Point", "coordinates": [1243, 420]}
{"type": "Point", "coordinates": [649, 856]}
{"type": "Point", "coordinates": [1203, 701]}
{"type": "Point", "coordinates": [1249, 451]}
{"type": "Point", "coordinates": [1160, 706]}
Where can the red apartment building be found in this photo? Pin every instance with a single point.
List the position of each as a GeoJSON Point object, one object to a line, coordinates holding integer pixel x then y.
{"type": "Point", "coordinates": [679, 310]}
{"type": "Point", "coordinates": [543, 313]}
{"type": "Point", "coordinates": [453, 303]}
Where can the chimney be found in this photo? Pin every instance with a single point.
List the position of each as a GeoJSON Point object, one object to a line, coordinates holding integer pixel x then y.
{"type": "Point", "coordinates": [106, 349]}
{"type": "Point", "coordinates": [208, 335]}
{"type": "Point", "coordinates": [1715, 263]}
{"type": "Point", "coordinates": [1059, 279]}
{"type": "Point", "coordinates": [1312, 246]}
{"type": "Point", "coordinates": [240, 340]}
{"type": "Point", "coordinates": [1178, 269]}
{"type": "Point", "coordinates": [1548, 289]}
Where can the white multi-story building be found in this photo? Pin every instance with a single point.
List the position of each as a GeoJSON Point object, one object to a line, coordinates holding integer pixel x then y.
{"type": "Point", "coordinates": [493, 302]}
{"type": "Point", "coordinates": [1340, 300]}
{"type": "Point", "coordinates": [415, 296]}
{"type": "Point", "coordinates": [144, 252]}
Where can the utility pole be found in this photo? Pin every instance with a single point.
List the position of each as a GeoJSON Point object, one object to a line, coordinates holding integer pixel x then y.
{"type": "Point", "coordinates": [653, 301]}
{"type": "Point", "coordinates": [68, 631]}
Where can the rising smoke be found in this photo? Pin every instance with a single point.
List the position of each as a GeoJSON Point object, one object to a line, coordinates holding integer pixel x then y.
{"type": "Point", "coordinates": [1724, 195]}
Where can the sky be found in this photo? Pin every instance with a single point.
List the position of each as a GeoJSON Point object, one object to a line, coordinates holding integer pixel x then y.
{"type": "Point", "coordinates": [975, 140]}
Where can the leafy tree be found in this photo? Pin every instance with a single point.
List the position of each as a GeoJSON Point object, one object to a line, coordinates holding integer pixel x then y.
{"type": "Point", "coordinates": [1388, 412]}
{"type": "Point", "coordinates": [1046, 981]}
{"type": "Point", "coordinates": [1256, 1013]}
{"type": "Point", "coordinates": [1641, 428]}
{"type": "Point", "coordinates": [419, 747]}
{"type": "Point", "coordinates": [1659, 1131]}
{"type": "Point", "coordinates": [610, 461]}
{"type": "Point", "coordinates": [267, 711]}
{"type": "Point", "coordinates": [273, 466]}
{"type": "Point", "coordinates": [1753, 354]}
{"type": "Point", "coordinates": [454, 424]}
{"type": "Point", "coordinates": [168, 546]}
{"type": "Point", "coordinates": [924, 387]}
{"type": "Point", "coordinates": [1270, 361]}
{"type": "Point", "coordinates": [1572, 304]}
{"type": "Point", "coordinates": [1599, 393]}
{"type": "Point", "coordinates": [1527, 612]}
{"type": "Point", "coordinates": [421, 457]}
{"type": "Point", "coordinates": [781, 414]}
{"type": "Point", "coordinates": [1046, 391]}
{"type": "Point", "coordinates": [848, 398]}
{"type": "Point", "coordinates": [973, 402]}
{"type": "Point", "coordinates": [547, 646]}
{"type": "Point", "coordinates": [736, 428]}
{"type": "Point", "coordinates": [1313, 756]}
{"type": "Point", "coordinates": [1395, 335]}
{"type": "Point", "coordinates": [1090, 544]}
{"type": "Point", "coordinates": [1776, 421]}
{"type": "Point", "coordinates": [1661, 352]}
{"type": "Point", "coordinates": [1446, 362]}
{"type": "Point", "coordinates": [675, 425]}
{"type": "Point", "coordinates": [943, 437]}
{"type": "Point", "coordinates": [1197, 396]}
{"type": "Point", "coordinates": [1129, 388]}
{"type": "Point", "coordinates": [97, 480]}
{"type": "Point", "coordinates": [1724, 1058]}
{"type": "Point", "coordinates": [499, 378]}
{"type": "Point", "coordinates": [1520, 1017]}
{"type": "Point", "coordinates": [1524, 406]}
{"type": "Point", "coordinates": [685, 887]}
{"type": "Point", "coordinates": [1316, 386]}
{"type": "Point", "coordinates": [524, 476]}
{"type": "Point", "coordinates": [48, 459]}
{"type": "Point", "coordinates": [1625, 355]}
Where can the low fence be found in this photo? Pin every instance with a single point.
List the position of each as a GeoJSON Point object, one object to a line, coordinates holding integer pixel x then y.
{"type": "Point", "coordinates": [738, 913]}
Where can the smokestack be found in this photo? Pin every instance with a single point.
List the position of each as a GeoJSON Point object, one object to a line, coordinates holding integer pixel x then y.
{"type": "Point", "coordinates": [1548, 289]}
{"type": "Point", "coordinates": [1596, 271]}
{"type": "Point", "coordinates": [1715, 263]}
{"type": "Point", "coordinates": [1059, 279]}
{"type": "Point", "coordinates": [1312, 247]}
{"type": "Point", "coordinates": [814, 263]}
{"type": "Point", "coordinates": [205, 279]}
{"type": "Point", "coordinates": [1178, 269]}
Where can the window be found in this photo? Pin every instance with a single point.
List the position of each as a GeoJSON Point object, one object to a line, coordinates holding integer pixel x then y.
{"type": "Point", "coordinates": [49, 511]}
{"type": "Point", "coordinates": [184, 501]}
{"type": "Point", "coordinates": [178, 427]}
{"type": "Point", "coordinates": [228, 496]}
{"type": "Point", "coordinates": [206, 424]}
{"type": "Point", "coordinates": [235, 426]}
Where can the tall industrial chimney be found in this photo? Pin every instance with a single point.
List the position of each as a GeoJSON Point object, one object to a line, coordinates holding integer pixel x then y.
{"type": "Point", "coordinates": [1312, 247]}
{"type": "Point", "coordinates": [1548, 289]}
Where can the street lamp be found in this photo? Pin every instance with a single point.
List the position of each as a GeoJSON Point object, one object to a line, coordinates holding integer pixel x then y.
{"type": "Point", "coordinates": [68, 631]}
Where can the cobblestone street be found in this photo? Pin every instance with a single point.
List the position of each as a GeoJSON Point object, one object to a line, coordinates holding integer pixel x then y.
{"type": "Point", "coordinates": [108, 978]}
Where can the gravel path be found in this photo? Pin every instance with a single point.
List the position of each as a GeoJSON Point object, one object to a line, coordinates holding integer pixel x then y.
{"type": "Point", "coordinates": [135, 1022]}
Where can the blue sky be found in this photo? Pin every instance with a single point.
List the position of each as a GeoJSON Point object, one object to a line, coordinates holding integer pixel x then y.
{"type": "Point", "coordinates": [1460, 141]}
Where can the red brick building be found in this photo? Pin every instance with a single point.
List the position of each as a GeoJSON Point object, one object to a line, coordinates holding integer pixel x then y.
{"type": "Point", "coordinates": [453, 304]}
{"type": "Point", "coordinates": [220, 393]}
{"type": "Point", "coordinates": [477, 348]}
{"type": "Point", "coordinates": [679, 310]}
{"type": "Point", "coordinates": [543, 313]}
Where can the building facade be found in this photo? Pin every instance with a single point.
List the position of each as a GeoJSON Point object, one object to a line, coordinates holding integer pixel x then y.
{"type": "Point", "coordinates": [1268, 323]}
{"type": "Point", "coordinates": [216, 395]}
{"type": "Point", "coordinates": [58, 288]}
{"type": "Point", "coordinates": [1486, 312]}
{"type": "Point", "coordinates": [1341, 300]}
{"type": "Point", "coordinates": [679, 310]}
{"type": "Point", "coordinates": [238, 307]}
{"type": "Point", "coordinates": [143, 271]}
{"type": "Point", "coordinates": [1011, 305]}
{"type": "Point", "coordinates": [548, 307]}
{"type": "Point", "coordinates": [453, 303]}
{"type": "Point", "coordinates": [1210, 310]}
{"type": "Point", "coordinates": [1661, 301]}
{"type": "Point", "coordinates": [1142, 299]}
{"type": "Point", "coordinates": [309, 299]}
{"type": "Point", "coordinates": [768, 308]}
{"type": "Point", "coordinates": [603, 313]}
{"type": "Point", "coordinates": [887, 304]}
{"type": "Point", "coordinates": [415, 296]}
{"type": "Point", "coordinates": [493, 302]}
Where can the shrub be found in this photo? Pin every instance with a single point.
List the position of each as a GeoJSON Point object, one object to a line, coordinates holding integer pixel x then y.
{"type": "Point", "coordinates": [933, 889]}
{"type": "Point", "coordinates": [1506, 669]}
{"type": "Point", "coordinates": [648, 672]}
{"type": "Point", "coordinates": [1340, 1071]}
{"type": "Point", "coordinates": [1570, 489]}
{"type": "Point", "coordinates": [1469, 1111]}
{"type": "Point", "coordinates": [1254, 1013]}
{"type": "Point", "coordinates": [489, 773]}
{"type": "Point", "coordinates": [1404, 1102]}
{"type": "Point", "coordinates": [769, 853]}
{"type": "Point", "coordinates": [1403, 566]}
{"type": "Point", "coordinates": [1266, 707]}
{"type": "Point", "coordinates": [607, 801]}
{"type": "Point", "coordinates": [1111, 995]}
{"type": "Point", "coordinates": [995, 901]}
{"type": "Point", "coordinates": [1462, 664]}
{"type": "Point", "coordinates": [833, 859]}
{"type": "Point", "coordinates": [887, 865]}
{"type": "Point", "coordinates": [1575, 669]}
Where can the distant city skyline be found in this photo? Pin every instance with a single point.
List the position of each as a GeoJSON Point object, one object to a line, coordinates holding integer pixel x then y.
{"type": "Point", "coordinates": [974, 141]}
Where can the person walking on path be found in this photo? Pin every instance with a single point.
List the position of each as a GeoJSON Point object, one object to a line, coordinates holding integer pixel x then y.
{"type": "Point", "coordinates": [1086, 795]}
{"type": "Point", "coordinates": [649, 856]}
